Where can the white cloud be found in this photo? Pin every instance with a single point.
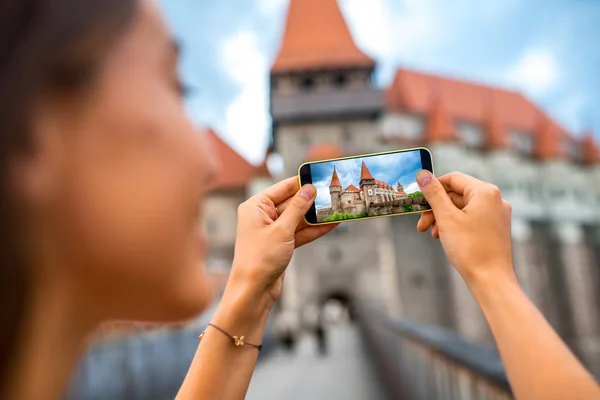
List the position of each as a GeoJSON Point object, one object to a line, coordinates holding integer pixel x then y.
{"type": "Point", "coordinates": [247, 117]}
{"type": "Point", "coordinates": [413, 187]}
{"type": "Point", "coordinates": [393, 37]}
{"type": "Point", "coordinates": [272, 7]}
{"type": "Point", "coordinates": [536, 72]}
{"type": "Point", "coordinates": [323, 197]}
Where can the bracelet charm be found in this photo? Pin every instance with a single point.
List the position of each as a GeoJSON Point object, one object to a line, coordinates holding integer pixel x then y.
{"type": "Point", "coordinates": [238, 341]}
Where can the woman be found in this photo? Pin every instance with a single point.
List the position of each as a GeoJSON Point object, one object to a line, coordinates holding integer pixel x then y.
{"type": "Point", "coordinates": [101, 177]}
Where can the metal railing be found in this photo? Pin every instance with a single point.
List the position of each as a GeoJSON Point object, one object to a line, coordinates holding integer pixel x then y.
{"type": "Point", "coordinates": [425, 362]}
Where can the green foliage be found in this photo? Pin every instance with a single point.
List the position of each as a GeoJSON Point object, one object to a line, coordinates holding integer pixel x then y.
{"type": "Point", "coordinates": [408, 208]}
{"type": "Point", "coordinates": [344, 216]}
{"type": "Point", "coordinates": [415, 194]}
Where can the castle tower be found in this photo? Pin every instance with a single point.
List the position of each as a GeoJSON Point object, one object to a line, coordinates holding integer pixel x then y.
{"type": "Point", "coordinates": [335, 190]}
{"type": "Point", "coordinates": [320, 75]}
{"type": "Point", "coordinates": [368, 185]}
{"type": "Point", "coordinates": [400, 191]}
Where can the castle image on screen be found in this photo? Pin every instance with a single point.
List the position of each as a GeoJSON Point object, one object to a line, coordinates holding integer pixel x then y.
{"type": "Point", "coordinates": [349, 189]}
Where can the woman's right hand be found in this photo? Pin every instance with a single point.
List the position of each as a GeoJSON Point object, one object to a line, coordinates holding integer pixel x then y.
{"type": "Point", "coordinates": [473, 223]}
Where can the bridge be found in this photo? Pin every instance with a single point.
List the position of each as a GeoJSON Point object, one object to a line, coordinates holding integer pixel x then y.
{"type": "Point", "coordinates": [375, 357]}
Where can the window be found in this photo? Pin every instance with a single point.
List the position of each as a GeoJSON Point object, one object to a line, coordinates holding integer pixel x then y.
{"type": "Point", "coordinates": [370, 192]}
{"type": "Point", "coordinates": [470, 134]}
{"type": "Point", "coordinates": [307, 83]}
{"type": "Point", "coordinates": [340, 80]}
{"type": "Point", "coordinates": [521, 141]}
{"type": "Point", "coordinates": [346, 136]}
{"type": "Point", "coordinates": [404, 126]}
{"type": "Point", "coordinates": [557, 193]}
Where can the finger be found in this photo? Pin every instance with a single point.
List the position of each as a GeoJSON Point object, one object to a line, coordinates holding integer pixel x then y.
{"type": "Point", "coordinates": [312, 233]}
{"type": "Point", "coordinates": [458, 200]}
{"type": "Point", "coordinates": [283, 190]}
{"type": "Point", "coordinates": [428, 218]}
{"type": "Point", "coordinates": [297, 208]}
{"type": "Point", "coordinates": [458, 182]}
{"type": "Point", "coordinates": [435, 232]}
{"type": "Point", "coordinates": [435, 194]}
{"type": "Point", "coordinates": [283, 206]}
{"type": "Point", "coordinates": [426, 221]}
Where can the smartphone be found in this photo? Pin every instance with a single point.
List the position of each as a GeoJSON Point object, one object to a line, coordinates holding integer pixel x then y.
{"type": "Point", "coordinates": [367, 186]}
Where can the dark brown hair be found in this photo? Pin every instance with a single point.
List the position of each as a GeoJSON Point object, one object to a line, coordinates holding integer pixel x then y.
{"type": "Point", "coordinates": [47, 47]}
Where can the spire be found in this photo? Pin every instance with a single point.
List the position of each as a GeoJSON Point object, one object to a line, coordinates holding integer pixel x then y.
{"type": "Point", "coordinates": [316, 36]}
{"type": "Point", "coordinates": [548, 140]}
{"type": "Point", "coordinates": [335, 181]}
{"type": "Point", "coordinates": [439, 127]}
{"type": "Point", "coordinates": [365, 174]}
{"type": "Point", "coordinates": [495, 136]}
{"type": "Point", "coordinates": [591, 153]}
{"type": "Point", "coordinates": [400, 189]}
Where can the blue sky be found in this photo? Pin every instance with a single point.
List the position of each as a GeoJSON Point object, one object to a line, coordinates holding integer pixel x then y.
{"type": "Point", "coordinates": [546, 49]}
{"type": "Point", "coordinates": [389, 168]}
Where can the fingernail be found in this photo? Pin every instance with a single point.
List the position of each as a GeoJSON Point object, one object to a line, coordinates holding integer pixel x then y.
{"type": "Point", "coordinates": [308, 192]}
{"type": "Point", "coordinates": [423, 177]}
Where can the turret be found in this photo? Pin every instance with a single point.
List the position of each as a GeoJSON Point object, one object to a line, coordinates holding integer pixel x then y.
{"type": "Point", "coordinates": [367, 185]}
{"type": "Point", "coordinates": [335, 191]}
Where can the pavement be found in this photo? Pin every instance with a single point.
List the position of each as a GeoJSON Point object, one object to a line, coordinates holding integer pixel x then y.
{"type": "Point", "coordinates": [345, 373]}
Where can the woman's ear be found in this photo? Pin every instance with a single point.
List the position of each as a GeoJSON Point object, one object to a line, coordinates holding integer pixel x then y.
{"type": "Point", "coordinates": [37, 173]}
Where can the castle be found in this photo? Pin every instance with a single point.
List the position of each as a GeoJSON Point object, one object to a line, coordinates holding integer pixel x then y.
{"type": "Point", "coordinates": [325, 106]}
{"type": "Point", "coordinates": [373, 194]}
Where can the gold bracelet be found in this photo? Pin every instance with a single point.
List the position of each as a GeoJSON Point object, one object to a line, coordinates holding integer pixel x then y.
{"type": "Point", "coordinates": [238, 341]}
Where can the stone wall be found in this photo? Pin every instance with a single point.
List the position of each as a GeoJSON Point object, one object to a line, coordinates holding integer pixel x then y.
{"type": "Point", "coordinates": [397, 206]}
{"type": "Point", "coordinates": [324, 212]}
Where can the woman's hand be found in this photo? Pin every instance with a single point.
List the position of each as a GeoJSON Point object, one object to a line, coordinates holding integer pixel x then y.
{"type": "Point", "coordinates": [270, 226]}
{"type": "Point", "coordinates": [472, 221]}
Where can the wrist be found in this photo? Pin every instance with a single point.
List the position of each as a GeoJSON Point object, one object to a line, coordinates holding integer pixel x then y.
{"type": "Point", "coordinates": [490, 280]}
{"type": "Point", "coordinates": [242, 313]}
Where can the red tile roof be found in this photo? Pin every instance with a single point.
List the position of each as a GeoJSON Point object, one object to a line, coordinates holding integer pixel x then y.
{"type": "Point", "coordinates": [495, 135]}
{"type": "Point", "coordinates": [365, 173]}
{"type": "Point", "coordinates": [549, 140]}
{"type": "Point", "coordinates": [324, 151]}
{"type": "Point", "coordinates": [591, 153]}
{"type": "Point", "coordinates": [316, 36]}
{"type": "Point", "coordinates": [470, 102]}
{"type": "Point", "coordinates": [232, 171]}
{"type": "Point", "coordinates": [335, 181]}
{"type": "Point", "coordinates": [353, 188]}
{"type": "Point", "coordinates": [440, 127]}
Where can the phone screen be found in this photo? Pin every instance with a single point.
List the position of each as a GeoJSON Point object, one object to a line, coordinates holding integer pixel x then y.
{"type": "Point", "coordinates": [367, 186]}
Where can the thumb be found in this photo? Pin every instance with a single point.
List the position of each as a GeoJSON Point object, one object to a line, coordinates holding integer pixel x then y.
{"type": "Point", "coordinates": [298, 207]}
{"type": "Point", "coordinates": [435, 194]}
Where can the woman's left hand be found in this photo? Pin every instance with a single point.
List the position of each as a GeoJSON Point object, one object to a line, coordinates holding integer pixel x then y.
{"type": "Point", "coordinates": [270, 226]}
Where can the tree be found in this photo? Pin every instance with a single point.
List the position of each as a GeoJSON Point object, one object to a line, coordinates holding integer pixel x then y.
{"type": "Point", "coordinates": [415, 194]}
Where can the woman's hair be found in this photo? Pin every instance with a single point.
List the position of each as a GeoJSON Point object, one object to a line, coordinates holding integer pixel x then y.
{"type": "Point", "coordinates": [48, 49]}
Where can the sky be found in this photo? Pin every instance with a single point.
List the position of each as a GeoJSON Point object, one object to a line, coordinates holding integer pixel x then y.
{"type": "Point", "coordinates": [546, 49]}
{"type": "Point", "coordinates": [389, 168]}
